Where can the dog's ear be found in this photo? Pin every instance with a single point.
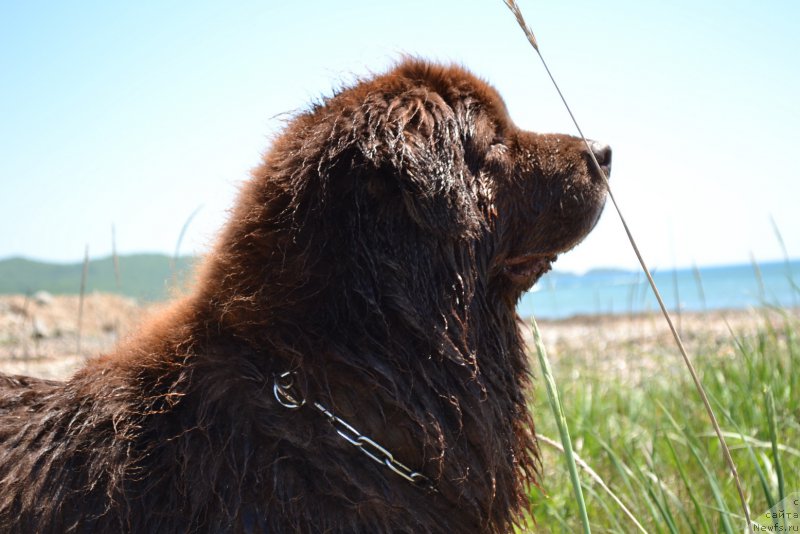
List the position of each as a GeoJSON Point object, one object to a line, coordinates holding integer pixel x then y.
{"type": "Point", "coordinates": [414, 155]}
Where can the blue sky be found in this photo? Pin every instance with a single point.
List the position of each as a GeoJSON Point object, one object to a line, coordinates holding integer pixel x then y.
{"type": "Point", "coordinates": [137, 113]}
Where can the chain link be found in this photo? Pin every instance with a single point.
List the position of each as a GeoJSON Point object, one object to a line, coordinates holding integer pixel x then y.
{"type": "Point", "coordinates": [283, 389]}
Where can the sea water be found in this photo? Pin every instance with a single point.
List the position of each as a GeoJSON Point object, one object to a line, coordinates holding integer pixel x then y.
{"type": "Point", "coordinates": [609, 291]}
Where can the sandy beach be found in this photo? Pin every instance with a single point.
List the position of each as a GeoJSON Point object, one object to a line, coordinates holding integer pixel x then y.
{"type": "Point", "coordinates": [39, 335]}
{"type": "Point", "coordinates": [631, 347]}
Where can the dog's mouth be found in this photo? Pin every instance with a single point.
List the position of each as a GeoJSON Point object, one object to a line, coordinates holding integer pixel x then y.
{"type": "Point", "coordinates": [526, 270]}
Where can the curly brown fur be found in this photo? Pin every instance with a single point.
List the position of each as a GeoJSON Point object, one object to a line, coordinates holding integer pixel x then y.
{"type": "Point", "coordinates": [378, 251]}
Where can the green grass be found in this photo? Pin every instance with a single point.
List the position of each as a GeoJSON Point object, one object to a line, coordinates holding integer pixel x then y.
{"type": "Point", "coordinates": [652, 444]}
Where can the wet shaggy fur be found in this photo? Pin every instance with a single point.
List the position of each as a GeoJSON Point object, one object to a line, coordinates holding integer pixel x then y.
{"type": "Point", "coordinates": [378, 252]}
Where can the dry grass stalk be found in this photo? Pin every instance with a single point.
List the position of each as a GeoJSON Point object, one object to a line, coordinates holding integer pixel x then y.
{"type": "Point", "coordinates": [84, 275]}
{"type": "Point", "coordinates": [115, 257]}
{"type": "Point", "coordinates": [512, 5]}
{"type": "Point", "coordinates": [117, 277]}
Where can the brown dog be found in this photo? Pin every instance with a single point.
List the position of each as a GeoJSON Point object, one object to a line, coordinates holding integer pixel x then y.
{"type": "Point", "coordinates": [350, 360]}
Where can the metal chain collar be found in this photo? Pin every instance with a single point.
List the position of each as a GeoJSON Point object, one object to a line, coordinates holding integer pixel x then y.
{"type": "Point", "coordinates": [284, 392]}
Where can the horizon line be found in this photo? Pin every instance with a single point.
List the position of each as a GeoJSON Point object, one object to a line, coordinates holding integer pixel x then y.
{"type": "Point", "coordinates": [554, 270]}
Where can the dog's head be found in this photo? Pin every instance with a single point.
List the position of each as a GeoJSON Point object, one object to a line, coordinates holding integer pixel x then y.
{"type": "Point", "coordinates": [416, 178]}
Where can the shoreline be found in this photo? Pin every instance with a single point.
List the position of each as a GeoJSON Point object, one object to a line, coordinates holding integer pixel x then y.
{"type": "Point", "coordinates": [630, 348]}
{"type": "Point", "coordinates": [39, 334]}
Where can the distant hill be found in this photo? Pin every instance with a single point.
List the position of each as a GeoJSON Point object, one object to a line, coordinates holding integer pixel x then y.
{"type": "Point", "coordinates": [143, 276]}
{"type": "Point", "coordinates": [608, 271]}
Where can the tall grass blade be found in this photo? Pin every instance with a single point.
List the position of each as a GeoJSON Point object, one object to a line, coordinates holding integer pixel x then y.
{"type": "Point", "coordinates": [678, 311]}
{"type": "Point", "coordinates": [663, 508]}
{"type": "Point", "coordinates": [612, 516]}
{"type": "Point", "coordinates": [595, 477]}
{"type": "Point", "coordinates": [561, 422]}
{"type": "Point", "coordinates": [656, 487]}
{"type": "Point", "coordinates": [23, 333]}
{"type": "Point", "coordinates": [773, 437]}
{"type": "Point", "coordinates": [559, 517]}
{"type": "Point", "coordinates": [749, 442]}
{"type": "Point", "coordinates": [174, 263]}
{"type": "Point", "coordinates": [689, 487]}
{"type": "Point", "coordinates": [699, 386]}
{"type": "Point", "coordinates": [664, 497]}
{"type": "Point", "coordinates": [117, 277]}
{"type": "Point", "coordinates": [645, 484]}
{"type": "Point", "coordinates": [762, 289]}
{"type": "Point", "coordinates": [724, 512]}
{"type": "Point", "coordinates": [792, 348]}
{"type": "Point", "coordinates": [84, 276]}
{"type": "Point", "coordinates": [787, 261]}
{"type": "Point", "coordinates": [698, 279]}
{"type": "Point", "coordinates": [115, 257]}
{"type": "Point", "coordinates": [627, 474]}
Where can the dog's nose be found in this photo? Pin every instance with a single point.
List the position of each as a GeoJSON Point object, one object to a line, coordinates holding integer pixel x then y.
{"type": "Point", "coordinates": [602, 152]}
